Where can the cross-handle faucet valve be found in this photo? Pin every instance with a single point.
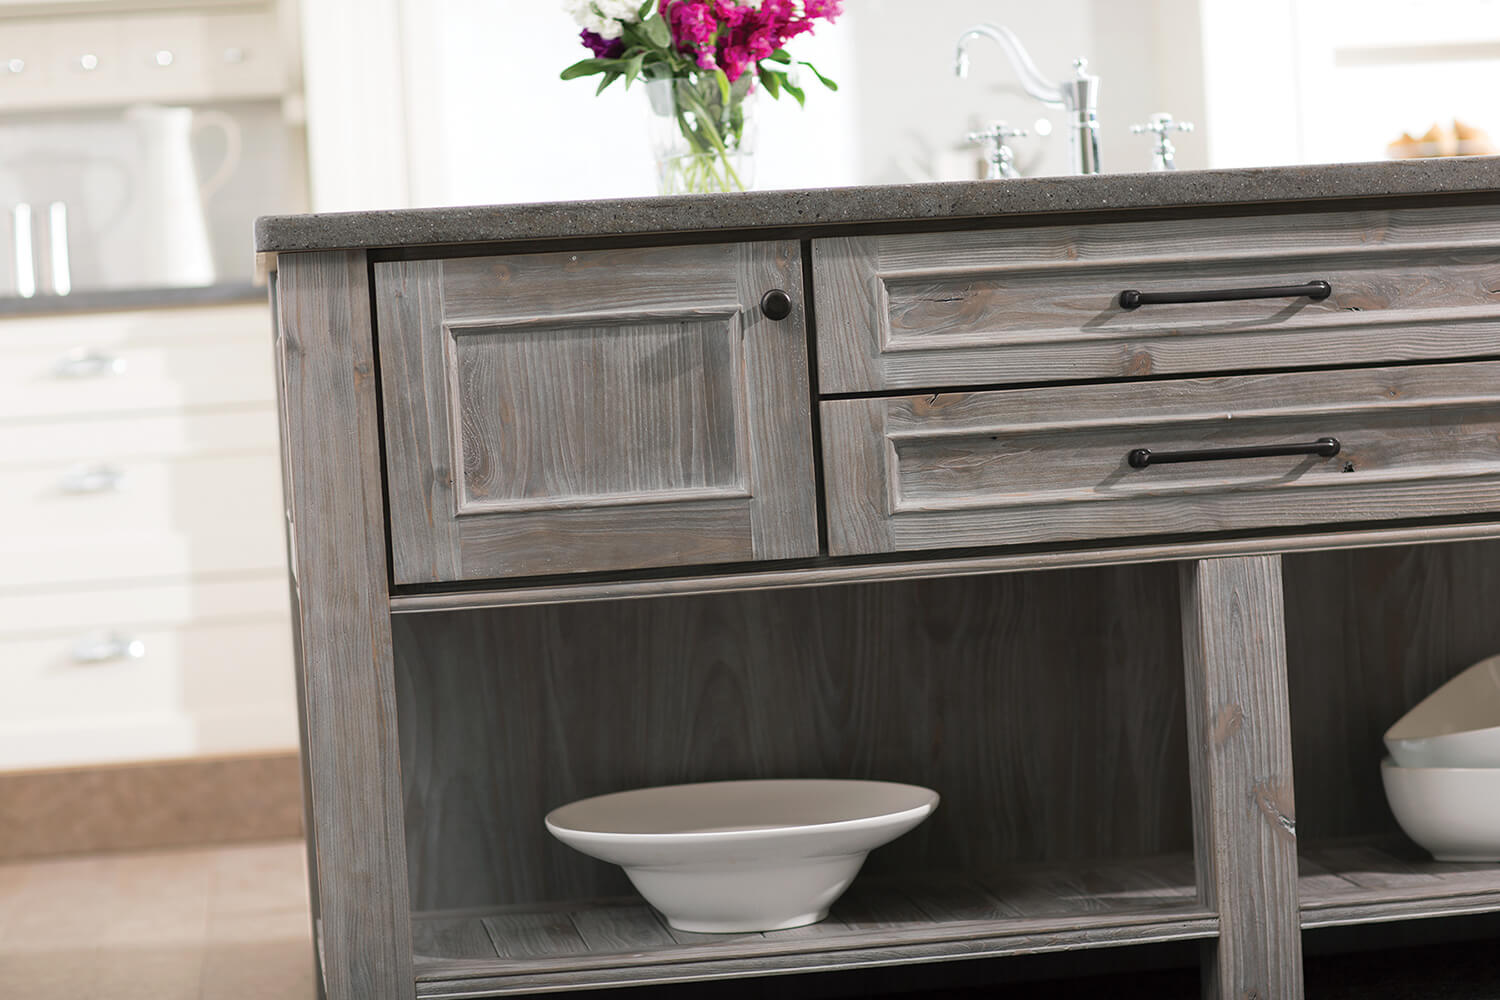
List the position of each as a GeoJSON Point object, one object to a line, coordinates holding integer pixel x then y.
{"type": "Point", "coordinates": [1164, 157]}
{"type": "Point", "coordinates": [1001, 161]}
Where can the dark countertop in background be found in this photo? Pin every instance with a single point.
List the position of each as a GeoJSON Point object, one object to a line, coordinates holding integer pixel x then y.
{"type": "Point", "coordinates": [803, 209]}
{"type": "Point", "coordinates": [121, 299]}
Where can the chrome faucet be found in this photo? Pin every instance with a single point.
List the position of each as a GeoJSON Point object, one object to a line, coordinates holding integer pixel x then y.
{"type": "Point", "coordinates": [1079, 96]}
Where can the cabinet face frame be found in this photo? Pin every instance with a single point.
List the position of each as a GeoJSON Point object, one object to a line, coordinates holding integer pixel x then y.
{"type": "Point", "coordinates": [594, 411]}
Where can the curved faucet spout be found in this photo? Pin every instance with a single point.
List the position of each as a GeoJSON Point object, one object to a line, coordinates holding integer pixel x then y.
{"type": "Point", "coordinates": [1032, 80]}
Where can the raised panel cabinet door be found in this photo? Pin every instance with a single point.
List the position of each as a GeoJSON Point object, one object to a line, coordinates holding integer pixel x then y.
{"type": "Point", "coordinates": [944, 470]}
{"type": "Point", "coordinates": [595, 411]}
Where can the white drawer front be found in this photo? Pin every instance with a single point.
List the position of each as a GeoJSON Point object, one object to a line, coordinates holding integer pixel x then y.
{"type": "Point", "coordinates": [70, 380]}
{"type": "Point", "coordinates": [126, 609]}
{"type": "Point", "coordinates": [165, 436]}
{"type": "Point", "coordinates": [209, 514]}
{"type": "Point", "coordinates": [211, 688]}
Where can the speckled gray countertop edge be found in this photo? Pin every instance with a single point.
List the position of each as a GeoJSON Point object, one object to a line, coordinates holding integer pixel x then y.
{"type": "Point", "coordinates": [890, 203]}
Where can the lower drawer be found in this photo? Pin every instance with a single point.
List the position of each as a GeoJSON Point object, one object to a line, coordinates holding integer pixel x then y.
{"type": "Point", "coordinates": [136, 692]}
{"type": "Point", "coordinates": [1051, 465]}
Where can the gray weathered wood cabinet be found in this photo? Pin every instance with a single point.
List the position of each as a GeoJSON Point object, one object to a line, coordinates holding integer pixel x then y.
{"type": "Point", "coordinates": [577, 512]}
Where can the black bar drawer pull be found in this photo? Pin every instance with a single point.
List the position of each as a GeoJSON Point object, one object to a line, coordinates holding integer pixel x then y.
{"type": "Point", "coordinates": [1316, 290]}
{"type": "Point", "coordinates": [1140, 458]}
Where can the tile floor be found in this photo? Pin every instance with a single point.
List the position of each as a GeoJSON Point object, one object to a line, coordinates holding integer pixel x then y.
{"type": "Point", "coordinates": [200, 924]}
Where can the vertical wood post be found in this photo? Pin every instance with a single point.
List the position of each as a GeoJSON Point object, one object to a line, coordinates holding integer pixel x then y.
{"type": "Point", "coordinates": [336, 539]}
{"type": "Point", "coordinates": [1239, 741]}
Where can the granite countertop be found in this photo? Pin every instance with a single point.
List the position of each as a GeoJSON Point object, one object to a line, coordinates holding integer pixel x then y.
{"type": "Point", "coordinates": [810, 209]}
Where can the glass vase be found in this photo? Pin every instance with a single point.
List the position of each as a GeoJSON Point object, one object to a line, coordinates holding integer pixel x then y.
{"type": "Point", "coordinates": [702, 143]}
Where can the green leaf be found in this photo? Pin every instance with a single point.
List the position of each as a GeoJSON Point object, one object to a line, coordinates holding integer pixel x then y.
{"type": "Point", "coordinates": [657, 32]}
{"type": "Point", "coordinates": [780, 56]}
{"type": "Point", "coordinates": [588, 67]}
{"type": "Point", "coordinates": [645, 10]}
{"type": "Point", "coordinates": [723, 82]}
{"type": "Point", "coordinates": [796, 92]}
{"type": "Point", "coordinates": [823, 79]}
{"type": "Point", "coordinates": [609, 77]}
{"type": "Point", "coordinates": [632, 68]}
{"type": "Point", "coordinates": [772, 81]}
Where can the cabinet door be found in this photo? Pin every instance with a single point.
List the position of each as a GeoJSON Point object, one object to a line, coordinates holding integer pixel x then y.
{"type": "Point", "coordinates": [592, 411]}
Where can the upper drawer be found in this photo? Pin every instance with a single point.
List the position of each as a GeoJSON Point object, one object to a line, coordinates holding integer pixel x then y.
{"type": "Point", "coordinates": [603, 410]}
{"type": "Point", "coordinates": [135, 362]}
{"type": "Point", "coordinates": [1048, 465]}
{"type": "Point", "coordinates": [1043, 304]}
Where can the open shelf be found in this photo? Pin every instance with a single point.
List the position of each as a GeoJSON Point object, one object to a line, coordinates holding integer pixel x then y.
{"type": "Point", "coordinates": [1024, 910]}
{"type": "Point", "coordinates": [884, 920]}
{"type": "Point", "coordinates": [1356, 883]}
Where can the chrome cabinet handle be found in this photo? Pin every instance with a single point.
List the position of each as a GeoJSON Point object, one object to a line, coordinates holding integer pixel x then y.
{"type": "Point", "coordinates": [89, 364]}
{"type": "Point", "coordinates": [84, 480]}
{"type": "Point", "coordinates": [108, 649]}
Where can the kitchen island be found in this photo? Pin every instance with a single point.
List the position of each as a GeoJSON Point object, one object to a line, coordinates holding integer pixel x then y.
{"type": "Point", "coordinates": [1104, 506]}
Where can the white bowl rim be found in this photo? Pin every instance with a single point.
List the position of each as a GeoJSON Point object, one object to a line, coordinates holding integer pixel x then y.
{"type": "Point", "coordinates": [1390, 762]}
{"type": "Point", "coordinates": [1489, 663]}
{"type": "Point", "coordinates": [931, 799]}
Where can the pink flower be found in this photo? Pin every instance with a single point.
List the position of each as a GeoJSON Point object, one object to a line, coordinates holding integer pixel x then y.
{"type": "Point", "coordinates": [734, 37]}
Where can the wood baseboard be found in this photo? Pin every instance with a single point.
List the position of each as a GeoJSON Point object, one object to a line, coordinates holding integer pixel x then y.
{"type": "Point", "coordinates": [137, 806]}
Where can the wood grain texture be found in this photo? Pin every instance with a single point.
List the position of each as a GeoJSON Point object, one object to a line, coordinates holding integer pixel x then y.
{"type": "Point", "coordinates": [825, 575]}
{"type": "Point", "coordinates": [556, 413]}
{"type": "Point", "coordinates": [1370, 634]}
{"type": "Point", "coordinates": [1045, 465]}
{"type": "Point", "coordinates": [337, 548]}
{"type": "Point", "coordinates": [1046, 709]}
{"type": "Point", "coordinates": [1047, 907]}
{"type": "Point", "coordinates": [1034, 304]}
{"type": "Point", "coordinates": [1245, 828]}
{"type": "Point", "coordinates": [1360, 882]}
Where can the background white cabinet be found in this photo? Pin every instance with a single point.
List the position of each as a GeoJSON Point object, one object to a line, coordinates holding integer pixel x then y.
{"type": "Point", "coordinates": [143, 601]}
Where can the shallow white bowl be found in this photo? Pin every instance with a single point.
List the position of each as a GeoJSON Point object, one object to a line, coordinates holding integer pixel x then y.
{"type": "Point", "coordinates": [1454, 812]}
{"type": "Point", "coordinates": [1458, 725]}
{"type": "Point", "coordinates": [739, 856]}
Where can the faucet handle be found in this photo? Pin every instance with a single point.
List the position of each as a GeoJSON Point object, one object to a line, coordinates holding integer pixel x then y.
{"type": "Point", "coordinates": [1161, 123]}
{"type": "Point", "coordinates": [1164, 157]}
{"type": "Point", "coordinates": [1002, 162]}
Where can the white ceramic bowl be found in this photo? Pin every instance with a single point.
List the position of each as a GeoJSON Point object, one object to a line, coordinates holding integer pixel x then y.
{"type": "Point", "coordinates": [1458, 725]}
{"type": "Point", "coordinates": [739, 856]}
{"type": "Point", "coordinates": [1454, 812]}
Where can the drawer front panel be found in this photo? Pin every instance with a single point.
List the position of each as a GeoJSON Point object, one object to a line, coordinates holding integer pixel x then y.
{"type": "Point", "coordinates": [556, 413]}
{"type": "Point", "coordinates": [113, 363]}
{"type": "Point", "coordinates": [222, 687]}
{"type": "Point", "coordinates": [202, 514]}
{"type": "Point", "coordinates": [1031, 465]}
{"type": "Point", "coordinates": [1043, 304]}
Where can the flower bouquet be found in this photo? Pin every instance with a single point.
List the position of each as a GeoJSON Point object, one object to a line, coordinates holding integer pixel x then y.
{"type": "Point", "coordinates": [701, 61]}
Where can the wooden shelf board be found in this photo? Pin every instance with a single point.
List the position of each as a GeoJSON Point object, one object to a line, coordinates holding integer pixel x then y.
{"type": "Point", "coordinates": [737, 580]}
{"type": "Point", "coordinates": [878, 922]}
{"type": "Point", "coordinates": [1370, 882]}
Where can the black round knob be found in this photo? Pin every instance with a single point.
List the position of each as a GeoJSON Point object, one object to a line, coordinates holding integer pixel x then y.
{"type": "Point", "coordinates": [776, 304]}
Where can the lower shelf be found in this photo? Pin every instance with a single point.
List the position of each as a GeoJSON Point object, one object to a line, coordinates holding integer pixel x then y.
{"type": "Point", "coordinates": [1361, 883]}
{"type": "Point", "coordinates": [620, 942]}
{"type": "Point", "coordinates": [878, 922]}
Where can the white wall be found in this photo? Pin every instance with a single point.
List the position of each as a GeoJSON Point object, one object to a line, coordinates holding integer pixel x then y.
{"type": "Point", "coordinates": [474, 91]}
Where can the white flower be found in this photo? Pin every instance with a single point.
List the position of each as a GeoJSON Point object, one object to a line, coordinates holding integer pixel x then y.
{"type": "Point", "coordinates": [605, 18]}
